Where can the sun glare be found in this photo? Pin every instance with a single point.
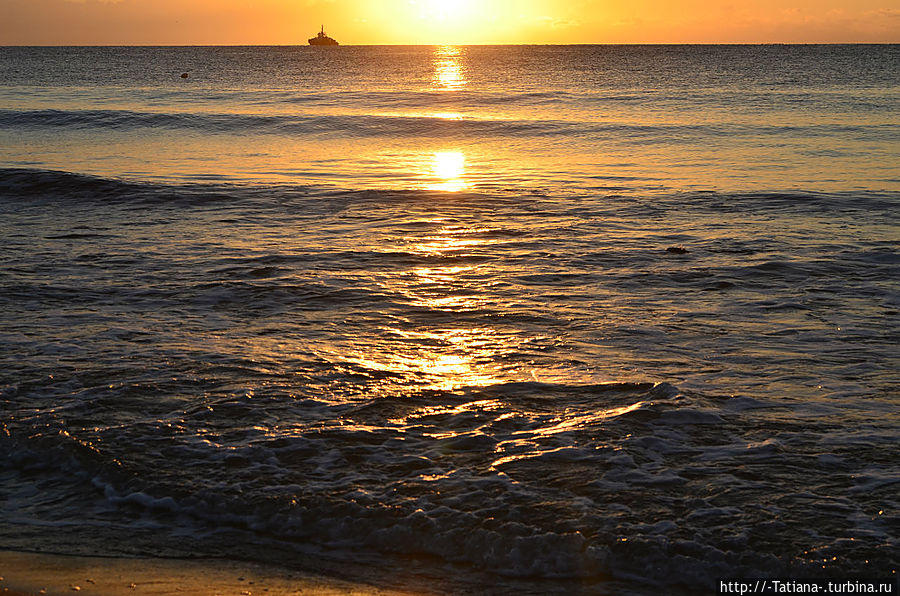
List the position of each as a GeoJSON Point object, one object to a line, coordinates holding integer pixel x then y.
{"type": "Point", "coordinates": [448, 70]}
{"type": "Point", "coordinates": [447, 10]}
{"type": "Point", "coordinates": [448, 169]}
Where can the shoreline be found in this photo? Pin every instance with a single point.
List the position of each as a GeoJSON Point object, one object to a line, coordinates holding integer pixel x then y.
{"type": "Point", "coordinates": [30, 574]}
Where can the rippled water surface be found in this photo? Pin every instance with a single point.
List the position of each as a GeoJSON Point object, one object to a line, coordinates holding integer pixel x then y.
{"type": "Point", "coordinates": [565, 117]}
{"type": "Point", "coordinates": [521, 319]}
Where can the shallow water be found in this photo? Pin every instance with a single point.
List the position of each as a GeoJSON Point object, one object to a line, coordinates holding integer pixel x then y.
{"type": "Point", "coordinates": [424, 315]}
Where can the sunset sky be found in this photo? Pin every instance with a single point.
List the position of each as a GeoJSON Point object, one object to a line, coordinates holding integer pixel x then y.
{"type": "Point", "coordinates": [128, 22]}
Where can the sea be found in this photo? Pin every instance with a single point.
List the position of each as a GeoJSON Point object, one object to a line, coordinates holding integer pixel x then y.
{"type": "Point", "coordinates": [456, 319]}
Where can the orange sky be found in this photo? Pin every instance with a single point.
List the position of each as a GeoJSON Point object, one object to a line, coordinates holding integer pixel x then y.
{"type": "Point", "coordinates": [64, 22]}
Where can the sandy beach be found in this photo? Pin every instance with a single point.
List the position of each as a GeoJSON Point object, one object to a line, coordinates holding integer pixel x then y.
{"type": "Point", "coordinates": [38, 574]}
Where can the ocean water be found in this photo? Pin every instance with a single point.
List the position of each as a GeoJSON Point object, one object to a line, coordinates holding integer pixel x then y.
{"type": "Point", "coordinates": [549, 319]}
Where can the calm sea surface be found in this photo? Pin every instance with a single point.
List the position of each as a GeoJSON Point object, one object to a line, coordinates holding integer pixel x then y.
{"type": "Point", "coordinates": [408, 313]}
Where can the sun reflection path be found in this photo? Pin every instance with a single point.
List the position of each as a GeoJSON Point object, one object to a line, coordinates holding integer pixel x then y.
{"type": "Point", "coordinates": [448, 71]}
{"type": "Point", "coordinates": [448, 169]}
{"type": "Point", "coordinates": [449, 348]}
{"type": "Point", "coordinates": [462, 351]}
{"type": "Point", "coordinates": [431, 361]}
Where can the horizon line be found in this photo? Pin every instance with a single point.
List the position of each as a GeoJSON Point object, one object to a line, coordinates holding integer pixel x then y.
{"type": "Point", "coordinates": [361, 45]}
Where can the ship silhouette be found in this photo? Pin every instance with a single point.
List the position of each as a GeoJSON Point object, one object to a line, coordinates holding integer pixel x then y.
{"type": "Point", "coordinates": [322, 40]}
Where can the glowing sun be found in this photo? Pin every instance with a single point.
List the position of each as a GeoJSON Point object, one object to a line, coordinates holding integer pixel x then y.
{"type": "Point", "coordinates": [447, 10]}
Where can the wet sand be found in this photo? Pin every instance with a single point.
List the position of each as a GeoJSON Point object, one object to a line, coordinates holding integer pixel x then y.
{"type": "Point", "coordinates": [38, 574]}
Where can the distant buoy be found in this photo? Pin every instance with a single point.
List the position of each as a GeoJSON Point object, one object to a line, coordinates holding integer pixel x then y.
{"type": "Point", "coordinates": [184, 75]}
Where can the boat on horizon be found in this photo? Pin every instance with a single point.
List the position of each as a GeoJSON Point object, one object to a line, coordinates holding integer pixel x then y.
{"type": "Point", "coordinates": [322, 40]}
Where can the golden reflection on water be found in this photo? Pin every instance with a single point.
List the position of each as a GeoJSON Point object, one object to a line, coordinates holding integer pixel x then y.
{"type": "Point", "coordinates": [440, 360]}
{"type": "Point", "coordinates": [448, 170]}
{"type": "Point", "coordinates": [448, 71]}
{"type": "Point", "coordinates": [449, 355]}
{"type": "Point", "coordinates": [459, 350]}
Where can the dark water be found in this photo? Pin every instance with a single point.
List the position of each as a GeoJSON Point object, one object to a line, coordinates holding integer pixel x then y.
{"type": "Point", "coordinates": [410, 310]}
